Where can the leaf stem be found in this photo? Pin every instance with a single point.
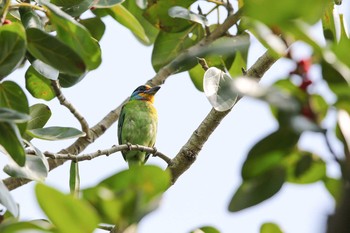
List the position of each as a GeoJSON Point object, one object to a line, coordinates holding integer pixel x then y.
{"type": "Point", "coordinates": [25, 4]}
{"type": "Point", "coordinates": [5, 11]}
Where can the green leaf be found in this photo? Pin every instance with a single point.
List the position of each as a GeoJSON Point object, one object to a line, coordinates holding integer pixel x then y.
{"type": "Point", "coordinates": [217, 89]}
{"type": "Point", "coordinates": [95, 26]}
{"type": "Point", "coordinates": [78, 216]}
{"type": "Point", "coordinates": [12, 47]}
{"type": "Point", "coordinates": [9, 115]}
{"type": "Point", "coordinates": [13, 97]}
{"type": "Point", "coordinates": [34, 169]}
{"type": "Point", "coordinates": [74, 8]}
{"type": "Point", "coordinates": [70, 80]}
{"type": "Point", "coordinates": [238, 65]}
{"type": "Point", "coordinates": [254, 191]}
{"type": "Point", "coordinates": [39, 86]}
{"type": "Point", "coordinates": [30, 19]}
{"type": "Point", "coordinates": [36, 166]}
{"type": "Point", "coordinates": [7, 200]}
{"type": "Point", "coordinates": [270, 227]}
{"type": "Point", "coordinates": [335, 80]}
{"type": "Point", "coordinates": [157, 14]}
{"type": "Point", "coordinates": [283, 12]}
{"type": "Point", "coordinates": [125, 18]}
{"type": "Point", "coordinates": [169, 45]}
{"type": "Point", "coordinates": [106, 3]}
{"type": "Point", "coordinates": [269, 153]}
{"type": "Point", "coordinates": [305, 168]}
{"type": "Point", "coordinates": [126, 197]}
{"type": "Point", "coordinates": [75, 36]}
{"type": "Point", "coordinates": [206, 229]}
{"type": "Point", "coordinates": [340, 50]}
{"type": "Point", "coordinates": [334, 186]}
{"type": "Point", "coordinates": [196, 75]}
{"type": "Point", "coordinates": [53, 52]}
{"type": "Point", "coordinates": [11, 141]}
{"type": "Point", "coordinates": [40, 114]}
{"type": "Point", "coordinates": [138, 12]}
{"type": "Point", "coordinates": [319, 105]}
{"type": "Point", "coordinates": [74, 179]}
{"type": "Point", "coordinates": [37, 226]}
{"type": "Point", "coordinates": [45, 70]}
{"type": "Point", "coordinates": [184, 13]}
{"type": "Point", "coordinates": [55, 133]}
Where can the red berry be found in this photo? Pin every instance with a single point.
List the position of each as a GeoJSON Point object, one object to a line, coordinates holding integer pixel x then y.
{"type": "Point", "coordinates": [7, 21]}
{"type": "Point", "coordinates": [307, 112]}
{"type": "Point", "coordinates": [306, 82]}
{"type": "Point", "coordinates": [304, 65]}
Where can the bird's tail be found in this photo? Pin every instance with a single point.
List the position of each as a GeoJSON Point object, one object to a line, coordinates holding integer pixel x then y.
{"type": "Point", "coordinates": [133, 163]}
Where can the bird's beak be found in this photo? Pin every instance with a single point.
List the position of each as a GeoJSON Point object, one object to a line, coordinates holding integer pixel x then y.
{"type": "Point", "coordinates": [153, 90]}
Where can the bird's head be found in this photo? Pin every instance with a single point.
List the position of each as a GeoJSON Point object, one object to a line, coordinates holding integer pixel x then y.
{"type": "Point", "coordinates": [144, 92]}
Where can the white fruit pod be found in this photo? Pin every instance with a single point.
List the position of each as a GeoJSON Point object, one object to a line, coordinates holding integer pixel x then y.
{"type": "Point", "coordinates": [217, 88]}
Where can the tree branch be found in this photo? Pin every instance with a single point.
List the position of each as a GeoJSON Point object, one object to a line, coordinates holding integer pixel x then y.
{"type": "Point", "coordinates": [96, 131]}
{"type": "Point", "coordinates": [189, 152]}
{"type": "Point", "coordinates": [63, 101]}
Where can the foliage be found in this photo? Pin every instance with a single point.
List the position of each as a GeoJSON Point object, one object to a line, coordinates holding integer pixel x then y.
{"type": "Point", "coordinates": [60, 44]}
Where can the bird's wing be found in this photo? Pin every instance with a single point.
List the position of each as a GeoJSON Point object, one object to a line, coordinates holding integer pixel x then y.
{"type": "Point", "coordinates": [120, 124]}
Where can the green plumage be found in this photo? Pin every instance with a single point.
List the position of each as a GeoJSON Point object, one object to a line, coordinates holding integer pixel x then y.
{"type": "Point", "coordinates": [137, 124]}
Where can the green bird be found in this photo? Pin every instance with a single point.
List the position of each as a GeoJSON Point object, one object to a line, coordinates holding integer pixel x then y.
{"type": "Point", "coordinates": [138, 122]}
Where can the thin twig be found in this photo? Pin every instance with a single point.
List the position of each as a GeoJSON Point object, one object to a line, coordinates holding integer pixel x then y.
{"type": "Point", "coordinates": [107, 152]}
{"type": "Point", "coordinates": [63, 101]}
{"type": "Point", "coordinates": [203, 63]}
{"type": "Point", "coordinates": [5, 11]}
{"type": "Point", "coordinates": [329, 146]}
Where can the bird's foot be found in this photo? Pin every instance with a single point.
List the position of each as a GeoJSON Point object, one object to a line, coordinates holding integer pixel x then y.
{"type": "Point", "coordinates": [129, 145]}
{"type": "Point", "coordinates": [154, 153]}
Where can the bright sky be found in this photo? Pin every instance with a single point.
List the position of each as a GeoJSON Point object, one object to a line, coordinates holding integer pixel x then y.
{"type": "Point", "coordinates": [200, 196]}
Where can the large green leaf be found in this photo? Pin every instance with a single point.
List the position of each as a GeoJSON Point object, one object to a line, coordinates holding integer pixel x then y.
{"type": "Point", "coordinates": [53, 52]}
{"type": "Point", "coordinates": [55, 133]}
{"type": "Point", "coordinates": [75, 7]}
{"type": "Point", "coordinates": [157, 13]}
{"type": "Point", "coordinates": [169, 45]}
{"type": "Point", "coordinates": [7, 200]}
{"type": "Point", "coordinates": [9, 115]}
{"type": "Point", "coordinates": [283, 12]}
{"type": "Point", "coordinates": [76, 36]}
{"type": "Point", "coordinates": [30, 19]}
{"type": "Point", "coordinates": [13, 97]}
{"type": "Point", "coordinates": [95, 26]}
{"type": "Point", "coordinates": [150, 30]}
{"type": "Point", "coordinates": [40, 114]}
{"type": "Point", "coordinates": [12, 47]}
{"type": "Point", "coordinates": [11, 141]}
{"type": "Point", "coordinates": [39, 86]}
{"type": "Point", "coordinates": [184, 13]}
{"type": "Point", "coordinates": [269, 152]}
{"type": "Point", "coordinates": [254, 191]}
{"type": "Point", "coordinates": [66, 213]}
{"type": "Point", "coordinates": [127, 19]}
{"type": "Point", "coordinates": [124, 198]}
